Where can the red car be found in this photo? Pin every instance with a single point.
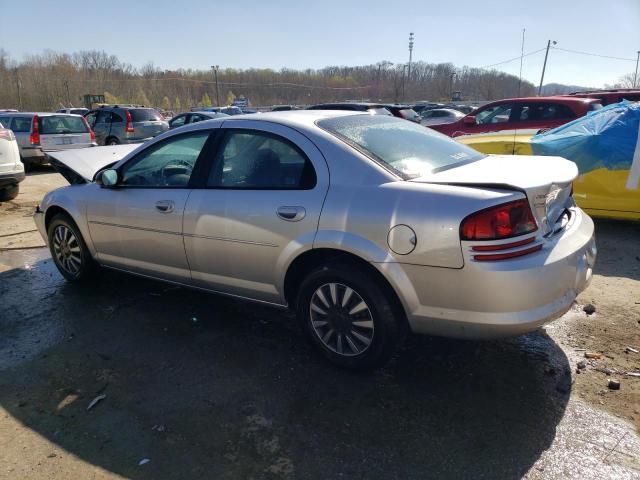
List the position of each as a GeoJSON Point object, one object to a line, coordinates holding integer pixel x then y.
{"type": "Point", "coordinates": [607, 97]}
{"type": "Point", "coordinates": [521, 114]}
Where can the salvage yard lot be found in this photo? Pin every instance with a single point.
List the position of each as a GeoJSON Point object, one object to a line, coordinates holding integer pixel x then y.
{"type": "Point", "coordinates": [207, 387]}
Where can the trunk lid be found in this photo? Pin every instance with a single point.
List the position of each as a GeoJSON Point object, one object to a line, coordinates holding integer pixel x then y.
{"type": "Point", "coordinates": [80, 166]}
{"type": "Point", "coordinates": [546, 181]}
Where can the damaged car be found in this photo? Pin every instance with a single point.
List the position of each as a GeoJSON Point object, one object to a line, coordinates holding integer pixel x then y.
{"type": "Point", "coordinates": [367, 226]}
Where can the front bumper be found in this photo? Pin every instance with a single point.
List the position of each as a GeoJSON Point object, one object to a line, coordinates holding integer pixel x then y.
{"type": "Point", "coordinates": [38, 218]}
{"type": "Point", "coordinates": [501, 298]}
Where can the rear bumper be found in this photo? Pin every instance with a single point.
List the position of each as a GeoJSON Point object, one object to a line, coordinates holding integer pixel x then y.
{"type": "Point", "coordinates": [33, 155]}
{"type": "Point", "coordinates": [11, 178]}
{"type": "Point", "coordinates": [501, 298]}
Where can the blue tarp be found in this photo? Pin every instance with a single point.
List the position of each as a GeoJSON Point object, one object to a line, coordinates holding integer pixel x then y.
{"type": "Point", "coordinates": [605, 138]}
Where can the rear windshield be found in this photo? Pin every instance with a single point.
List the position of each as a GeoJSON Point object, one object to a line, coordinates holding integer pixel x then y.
{"type": "Point", "coordinates": [144, 114]}
{"type": "Point", "coordinates": [406, 148]}
{"type": "Point", "coordinates": [61, 124]}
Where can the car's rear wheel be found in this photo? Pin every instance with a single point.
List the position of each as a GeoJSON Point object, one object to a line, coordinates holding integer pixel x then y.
{"type": "Point", "coordinates": [112, 141]}
{"type": "Point", "coordinates": [9, 192]}
{"type": "Point", "coordinates": [349, 316]}
{"type": "Point", "coordinates": [68, 249]}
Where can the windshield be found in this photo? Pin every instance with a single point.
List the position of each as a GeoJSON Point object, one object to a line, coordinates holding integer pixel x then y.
{"type": "Point", "coordinates": [407, 148]}
{"type": "Point", "coordinates": [62, 124]}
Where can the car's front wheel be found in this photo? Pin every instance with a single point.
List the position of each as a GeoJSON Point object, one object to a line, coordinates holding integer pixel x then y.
{"type": "Point", "coordinates": [68, 249]}
{"type": "Point", "coordinates": [112, 141]}
{"type": "Point", "coordinates": [349, 316]}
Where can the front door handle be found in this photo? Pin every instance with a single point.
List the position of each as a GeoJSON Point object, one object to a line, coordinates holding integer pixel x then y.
{"type": "Point", "coordinates": [165, 206]}
{"type": "Point", "coordinates": [291, 214]}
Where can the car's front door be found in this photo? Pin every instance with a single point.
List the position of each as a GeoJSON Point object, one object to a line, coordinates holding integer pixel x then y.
{"type": "Point", "coordinates": [137, 225]}
{"type": "Point", "coordinates": [261, 202]}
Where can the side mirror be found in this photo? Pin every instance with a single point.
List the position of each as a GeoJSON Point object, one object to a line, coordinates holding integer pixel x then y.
{"type": "Point", "coordinates": [469, 120]}
{"type": "Point", "coordinates": [108, 178]}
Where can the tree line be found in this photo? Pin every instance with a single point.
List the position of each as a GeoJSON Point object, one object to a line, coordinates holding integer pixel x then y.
{"type": "Point", "coordinates": [50, 80]}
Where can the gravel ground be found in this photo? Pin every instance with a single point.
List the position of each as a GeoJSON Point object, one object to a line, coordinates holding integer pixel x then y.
{"type": "Point", "coordinates": [206, 387]}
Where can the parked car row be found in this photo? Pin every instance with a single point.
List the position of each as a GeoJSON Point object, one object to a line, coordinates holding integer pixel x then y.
{"type": "Point", "coordinates": [40, 133]}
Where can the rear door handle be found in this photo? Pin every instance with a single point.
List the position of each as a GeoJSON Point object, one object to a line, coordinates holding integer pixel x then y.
{"type": "Point", "coordinates": [165, 206]}
{"type": "Point", "coordinates": [291, 214]}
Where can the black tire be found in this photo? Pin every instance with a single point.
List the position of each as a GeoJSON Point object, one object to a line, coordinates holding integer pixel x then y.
{"type": "Point", "coordinates": [72, 258]}
{"type": "Point", "coordinates": [111, 141]}
{"type": "Point", "coordinates": [389, 325]}
{"type": "Point", "coordinates": [27, 166]}
{"type": "Point", "coordinates": [9, 192]}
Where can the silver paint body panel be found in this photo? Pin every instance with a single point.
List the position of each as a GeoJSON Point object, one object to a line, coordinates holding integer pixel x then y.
{"type": "Point", "coordinates": [234, 242]}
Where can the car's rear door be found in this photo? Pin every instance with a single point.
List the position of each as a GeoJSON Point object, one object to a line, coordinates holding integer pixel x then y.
{"type": "Point", "coordinates": [260, 203]}
{"type": "Point", "coordinates": [137, 225]}
{"type": "Point", "coordinates": [100, 122]}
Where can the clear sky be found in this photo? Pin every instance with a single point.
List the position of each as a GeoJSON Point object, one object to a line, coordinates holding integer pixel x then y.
{"type": "Point", "coordinates": [301, 34]}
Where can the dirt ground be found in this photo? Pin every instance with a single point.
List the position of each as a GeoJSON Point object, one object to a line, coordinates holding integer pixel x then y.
{"type": "Point", "coordinates": [200, 386]}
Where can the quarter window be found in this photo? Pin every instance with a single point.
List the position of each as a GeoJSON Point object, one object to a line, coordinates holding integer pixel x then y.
{"type": "Point", "coordinates": [544, 111]}
{"type": "Point", "coordinates": [21, 124]}
{"type": "Point", "coordinates": [166, 164]}
{"type": "Point", "coordinates": [255, 160]}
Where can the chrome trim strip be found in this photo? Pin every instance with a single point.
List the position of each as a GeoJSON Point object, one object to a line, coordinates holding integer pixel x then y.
{"type": "Point", "coordinates": [134, 228]}
{"type": "Point", "coordinates": [227, 239]}
{"type": "Point", "coordinates": [190, 235]}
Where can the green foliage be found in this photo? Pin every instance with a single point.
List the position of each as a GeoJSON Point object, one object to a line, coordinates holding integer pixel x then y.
{"type": "Point", "coordinates": [166, 104]}
{"type": "Point", "coordinates": [230, 97]}
{"type": "Point", "coordinates": [177, 105]}
{"type": "Point", "coordinates": [141, 98]}
{"type": "Point", "coordinates": [205, 101]}
{"type": "Point", "coordinates": [110, 98]}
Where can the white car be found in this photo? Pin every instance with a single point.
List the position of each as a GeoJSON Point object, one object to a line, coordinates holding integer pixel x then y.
{"type": "Point", "coordinates": [11, 168]}
{"type": "Point", "coordinates": [438, 116]}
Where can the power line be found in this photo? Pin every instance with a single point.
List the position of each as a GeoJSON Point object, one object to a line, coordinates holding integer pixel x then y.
{"type": "Point", "coordinates": [511, 59]}
{"type": "Point", "coordinates": [594, 54]}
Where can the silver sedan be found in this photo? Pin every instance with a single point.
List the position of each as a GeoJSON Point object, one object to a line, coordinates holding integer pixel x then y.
{"type": "Point", "coordinates": [367, 226]}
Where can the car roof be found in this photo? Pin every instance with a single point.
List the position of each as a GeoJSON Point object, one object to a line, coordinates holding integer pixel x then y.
{"type": "Point", "coordinates": [555, 98]}
{"type": "Point", "coordinates": [40, 114]}
{"type": "Point", "coordinates": [297, 119]}
{"type": "Point", "coordinates": [346, 105]}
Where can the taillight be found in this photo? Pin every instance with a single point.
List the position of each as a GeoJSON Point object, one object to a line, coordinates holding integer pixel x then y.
{"type": "Point", "coordinates": [34, 138]}
{"type": "Point", "coordinates": [129, 125]}
{"type": "Point", "coordinates": [6, 134]}
{"type": "Point", "coordinates": [503, 221]}
{"type": "Point", "coordinates": [92, 134]}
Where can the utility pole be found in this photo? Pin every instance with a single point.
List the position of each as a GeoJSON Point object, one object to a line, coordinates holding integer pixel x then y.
{"type": "Point", "coordinates": [19, 87]}
{"type": "Point", "coordinates": [635, 77]}
{"type": "Point", "coordinates": [404, 69]}
{"type": "Point", "coordinates": [66, 86]}
{"type": "Point", "coordinates": [215, 74]}
{"type": "Point", "coordinates": [453, 74]}
{"type": "Point", "coordinates": [521, 58]}
{"type": "Point", "coordinates": [544, 66]}
{"type": "Point", "coordinates": [410, 53]}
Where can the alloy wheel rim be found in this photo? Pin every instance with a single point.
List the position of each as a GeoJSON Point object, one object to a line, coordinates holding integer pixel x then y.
{"type": "Point", "coordinates": [341, 319]}
{"type": "Point", "coordinates": [67, 250]}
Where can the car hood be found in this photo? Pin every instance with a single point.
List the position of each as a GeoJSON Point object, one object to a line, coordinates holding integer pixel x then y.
{"type": "Point", "coordinates": [81, 165]}
{"type": "Point", "coordinates": [546, 181]}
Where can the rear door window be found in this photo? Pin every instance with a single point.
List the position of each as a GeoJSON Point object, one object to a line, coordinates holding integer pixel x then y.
{"type": "Point", "coordinates": [536, 112]}
{"type": "Point", "coordinates": [62, 125]}
{"type": "Point", "coordinates": [103, 117]}
{"type": "Point", "coordinates": [5, 121]}
{"type": "Point", "coordinates": [144, 115]}
{"type": "Point", "coordinates": [260, 161]}
{"type": "Point", "coordinates": [495, 114]}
